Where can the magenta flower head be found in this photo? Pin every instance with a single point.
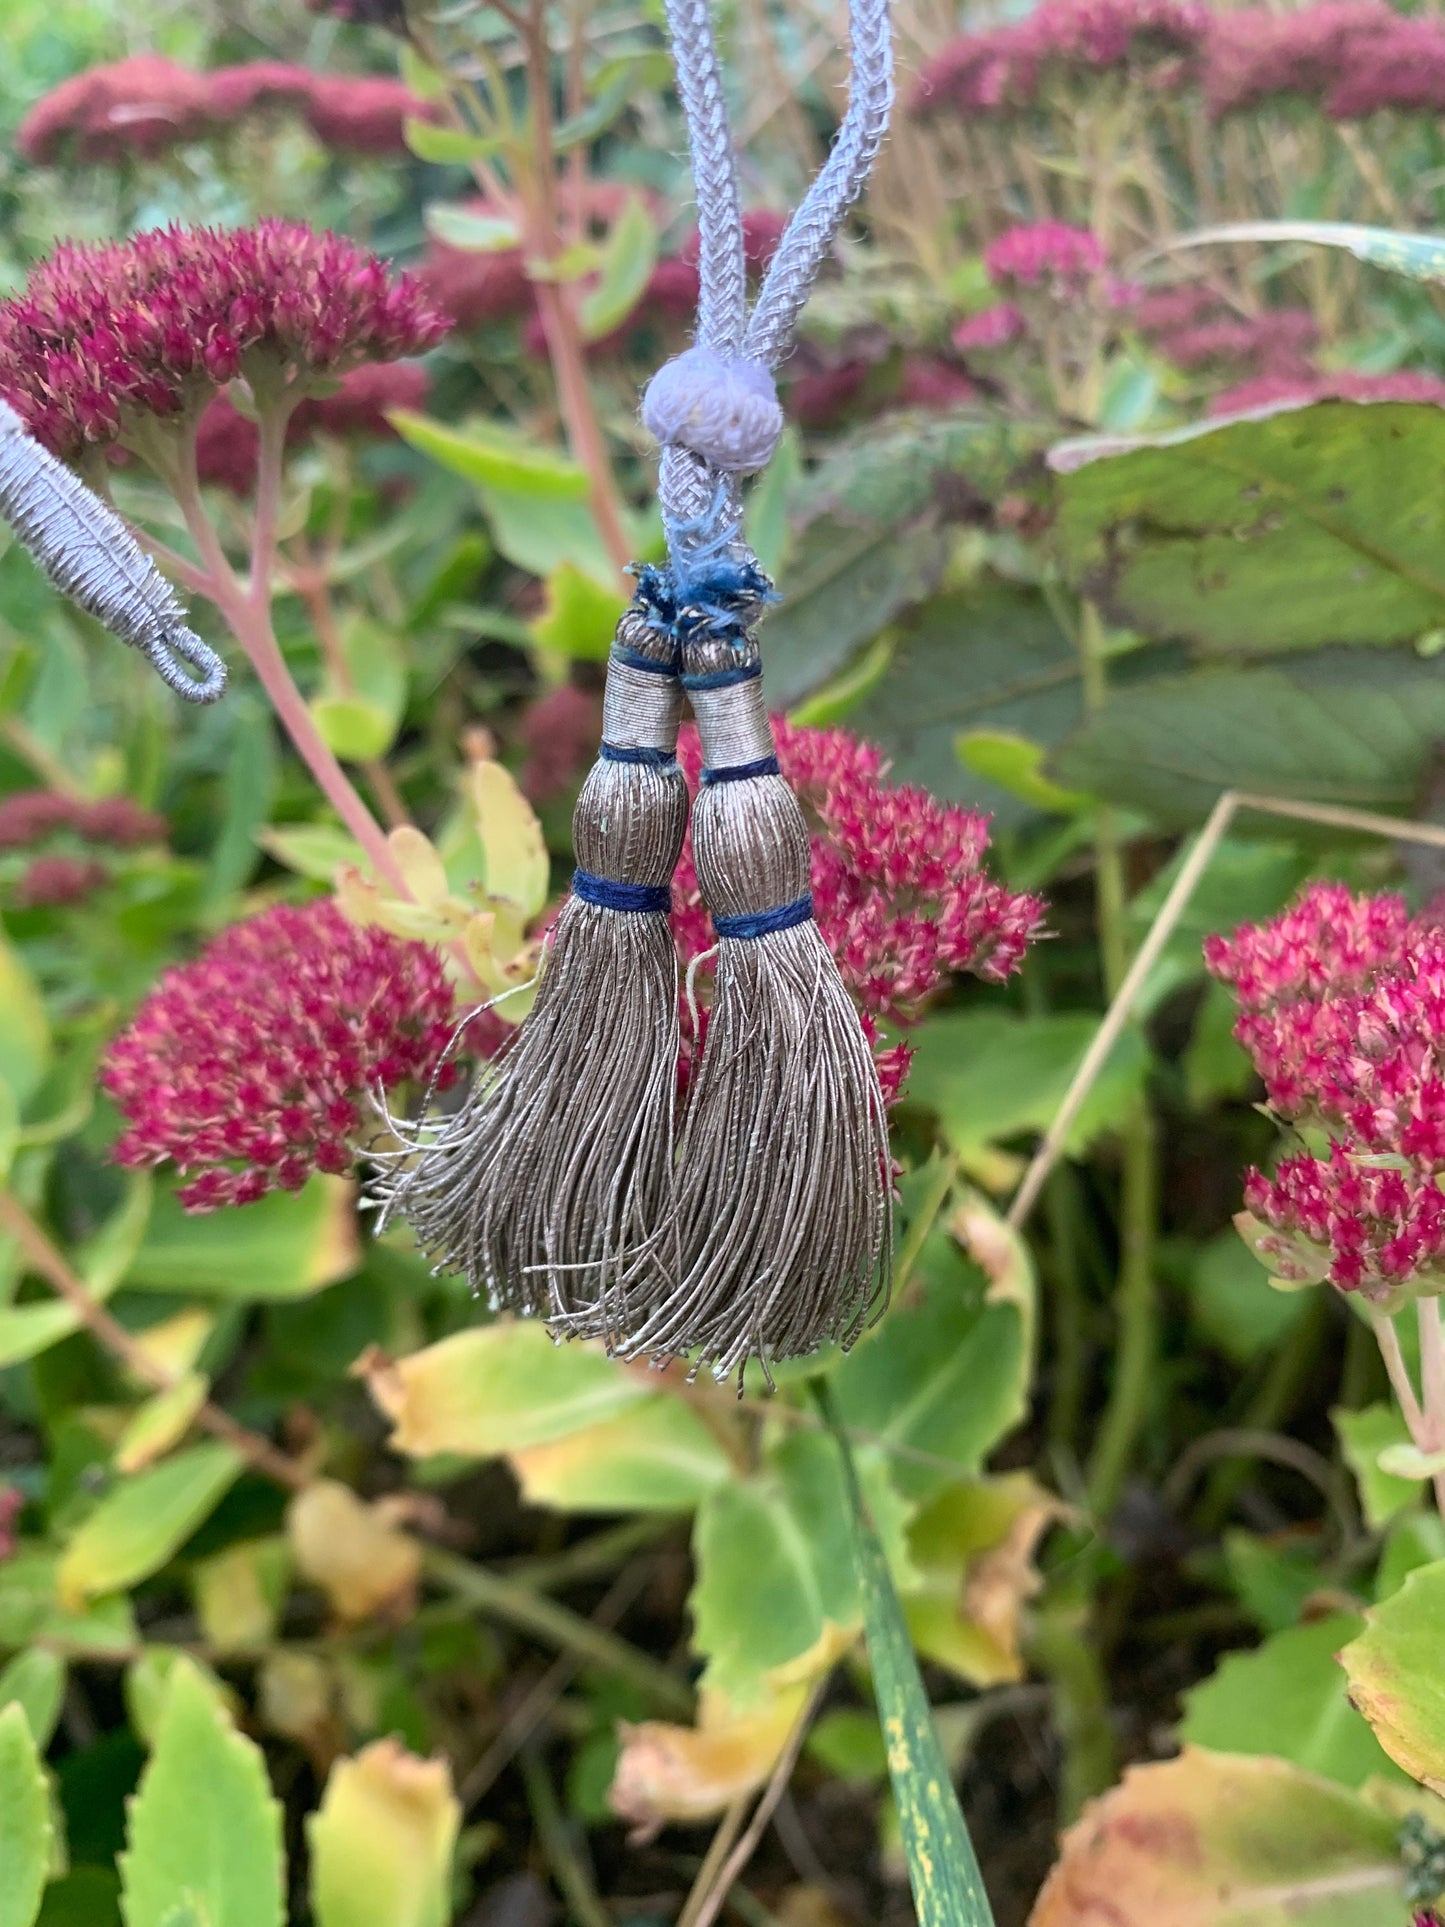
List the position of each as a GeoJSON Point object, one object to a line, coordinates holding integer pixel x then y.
{"type": "Point", "coordinates": [1047, 254]}
{"type": "Point", "coordinates": [256, 1065]}
{"type": "Point", "coordinates": [1004, 68]}
{"type": "Point", "coordinates": [897, 889]}
{"type": "Point", "coordinates": [997, 327]}
{"type": "Point", "coordinates": [1342, 1008]}
{"type": "Point", "coordinates": [103, 338]}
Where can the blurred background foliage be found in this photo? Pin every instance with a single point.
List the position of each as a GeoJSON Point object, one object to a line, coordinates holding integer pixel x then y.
{"type": "Point", "coordinates": [451, 1603]}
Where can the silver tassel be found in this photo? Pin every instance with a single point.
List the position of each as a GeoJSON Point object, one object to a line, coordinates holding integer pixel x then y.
{"type": "Point", "coordinates": [784, 1176]}
{"type": "Point", "coordinates": [552, 1188]}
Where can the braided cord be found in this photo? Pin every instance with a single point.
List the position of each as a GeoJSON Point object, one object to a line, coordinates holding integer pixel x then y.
{"type": "Point", "coordinates": [700, 498]}
{"type": "Point", "coordinates": [722, 270]}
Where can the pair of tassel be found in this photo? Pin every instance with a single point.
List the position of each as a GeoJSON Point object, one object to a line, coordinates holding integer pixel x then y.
{"type": "Point", "coordinates": [755, 1220]}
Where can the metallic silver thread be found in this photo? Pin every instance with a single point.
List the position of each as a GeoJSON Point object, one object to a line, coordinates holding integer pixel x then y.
{"type": "Point", "coordinates": [90, 555]}
{"type": "Point", "coordinates": [784, 1203]}
{"type": "Point", "coordinates": [551, 1189]}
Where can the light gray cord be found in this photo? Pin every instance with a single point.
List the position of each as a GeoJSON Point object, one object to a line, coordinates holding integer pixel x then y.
{"type": "Point", "coordinates": [694, 486]}
{"type": "Point", "coordinates": [722, 270]}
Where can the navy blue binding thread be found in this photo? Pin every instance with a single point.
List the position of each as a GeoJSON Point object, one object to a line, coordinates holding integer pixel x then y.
{"type": "Point", "coordinates": [762, 923]}
{"type": "Point", "coordinates": [724, 678]}
{"type": "Point", "coordinates": [740, 772]}
{"type": "Point", "coordinates": [634, 659]}
{"type": "Point", "coordinates": [607, 895]}
{"type": "Point", "coordinates": [648, 758]}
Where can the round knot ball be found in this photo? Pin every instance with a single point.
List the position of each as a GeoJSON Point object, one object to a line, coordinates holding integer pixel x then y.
{"type": "Point", "coordinates": [722, 407]}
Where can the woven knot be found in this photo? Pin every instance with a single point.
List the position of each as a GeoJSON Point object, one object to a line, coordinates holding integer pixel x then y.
{"type": "Point", "coordinates": [723, 407]}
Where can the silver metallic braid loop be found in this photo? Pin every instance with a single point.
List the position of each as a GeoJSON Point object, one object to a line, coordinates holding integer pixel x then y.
{"type": "Point", "coordinates": [90, 555]}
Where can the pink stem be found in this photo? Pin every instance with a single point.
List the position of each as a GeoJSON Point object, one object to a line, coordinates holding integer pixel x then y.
{"type": "Point", "coordinates": [248, 612]}
{"type": "Point", "coordinates": [1432, 1379]}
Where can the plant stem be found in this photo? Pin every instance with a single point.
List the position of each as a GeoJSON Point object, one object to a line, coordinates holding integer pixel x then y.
{"type": "Point", "coordinates": [573, 1879]}
{"type": "Point", "coordinates": [704, 1905]}
{"type": "Point", "coordinates": [48, 1262]}
{"type": "Point", "coordinates": [533, 1612]}
{"type": "Point", "coordinates": [248, 613]}
{"type": "Point", "coordinates": [557, 310]}
{"type": "Point", "coordinates": [1062, 1646]}
{"type": "Point", "coordinates": [1135, 1298]}
{"type": "Point", "coordinates": [1388, 1340]}
{"type": "Point", "coordinates": [1432, 1380]}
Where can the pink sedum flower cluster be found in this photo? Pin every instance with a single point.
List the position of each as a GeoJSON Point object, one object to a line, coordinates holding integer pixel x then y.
{"type": "Point", "coordinates": [255, 1065]}
{"type": "Point", "coordinates": [1343, 1012]}
{"type": "Point", "coordinates": [144, 106]}
{"type": "Point", "coordinates": [153, 325]}
{"type": "Point", "coordinates": [897, 890]}
{"type": "Point", "coordinates": [1046, 253]}
{"type": "Point", "coordinates": [28, 817]}
{"type": "Point", "coordinates": [1003, 68]}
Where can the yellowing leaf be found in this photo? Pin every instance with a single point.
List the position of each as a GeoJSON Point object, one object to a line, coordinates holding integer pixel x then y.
{"type": "Point", "coordinates": [654, 1456]}
{"type": "Point", "coordinates": [176, 1343]}
{"type": "Point", "coordinates": [239, 1594]}
{"type": "Point", "coordinates": [1395, 1675]}
{"type": "Point", "coordinates": [383, 1840]}
{"type": "Point", "coordinates": [688, 1773]}
{"type": "Point", "coordinates": [144, 1521]}
{"type": "Point", "coordinates": [287, 1245]}
{"type": "Point", "coordinates": [974, 1545]}
{"type": "Point", "coordinates": [203, 1825]}
{"type": "Point", "coordinates": [348, 1548]}
{"type": "Point", "coordinates": [25, 1048]}
{"type": "Point", "coordinates": [420, 866]}
{"type": "Point", "coordinates": [1218, 1840]}
{"type": "Point", "coordinates": [517, 866]}
{"type": "Point", "coordinates": [161, 1423]}
{"type": "Point", "coordinates": [497, 1388]}
{"type": "Point", "coordinates": [296, 1694]}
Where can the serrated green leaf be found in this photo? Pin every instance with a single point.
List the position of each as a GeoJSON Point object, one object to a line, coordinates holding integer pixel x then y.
{"type": "Point", "coordinates": [775, 1565]}
{"type": "Point", "coordinates": [203, 1828]}
{"type": "Point", "coordinates": [1395, 1676]}
{"type": "Point", "coordinates": [143, 1521]}
{"type": "Point", "coordinates": [34, 1681]}
{"type": "Point", "coordinates": [148, 1682]}
{"type": "Point", "coordinates": [25, 1823]}
{"type": "Point", "coordinates": [943, 1870]}
{"type": "Point", "coordinates": [464, 227]}
{"type": "Point", "coordinates": [629, 255]}
{"type": "Point", "coordinates": [1288, 1698]}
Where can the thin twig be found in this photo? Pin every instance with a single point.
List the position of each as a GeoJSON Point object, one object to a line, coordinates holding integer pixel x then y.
{"type": "Point", "coordinates": [572, 1877]}
{"type": "Point", "coordinates": [534, 1613]}
{"type": "Point", "coordinates": [1229, 804]}
{"type": "Point", "coordinates": [48, 1262]}
{"type": "Point", "coordinates": [710, 1904]}
{"type": "Point", "coordinates": [1398, 1371]}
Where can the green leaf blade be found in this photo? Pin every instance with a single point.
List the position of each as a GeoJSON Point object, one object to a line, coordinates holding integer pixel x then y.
{"type": "Point", "coordinates": [25, 1823]}
{"type": "Point", "coordinates": [204, 1829]}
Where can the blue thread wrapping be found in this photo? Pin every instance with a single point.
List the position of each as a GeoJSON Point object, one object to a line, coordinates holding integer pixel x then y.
{"type": "Point", "coordinates": [607, 895]}
{"type": "Point", "coordinates": [634, 659]}
{"type": "Point", "coordinates": [763, 923]}
{"type": "Point", "coordinates": [740, 772]}
{"type": "Point", "coordinates": [724, 678]}
{"type": "Point", "coordinates": [648, 758]}
{"type": "Point", "coordinates": [705, 590]}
